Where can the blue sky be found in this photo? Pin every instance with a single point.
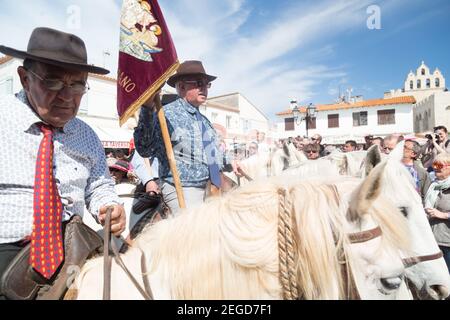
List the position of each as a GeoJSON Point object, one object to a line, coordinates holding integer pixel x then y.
{"type": "Point", "coordinates": [268, 51]}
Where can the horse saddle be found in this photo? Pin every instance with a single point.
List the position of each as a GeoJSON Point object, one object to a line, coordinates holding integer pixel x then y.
{"type": "Point", "coordinates": [21, 282]}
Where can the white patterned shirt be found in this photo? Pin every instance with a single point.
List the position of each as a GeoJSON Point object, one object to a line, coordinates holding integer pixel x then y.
{"type": "Point", "coordinates": [80, 168]}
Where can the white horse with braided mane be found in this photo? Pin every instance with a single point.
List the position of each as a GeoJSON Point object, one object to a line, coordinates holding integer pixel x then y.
{"type": "Point", "coordinates": [280, 238]}
{"type": "Point", "coordinates": [426, 267]}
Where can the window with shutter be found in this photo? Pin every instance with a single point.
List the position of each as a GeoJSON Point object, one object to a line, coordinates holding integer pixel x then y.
{"type": "Point", "coordinates": [386, 116]}
{"type": "Point", "coordinates": [333, 121]}
{"type": "Point", "coordinates": [289, 124]}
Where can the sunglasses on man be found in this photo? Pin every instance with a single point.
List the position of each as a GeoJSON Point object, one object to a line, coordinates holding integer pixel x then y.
{"type": "Point", "coordinates": [199, 83]}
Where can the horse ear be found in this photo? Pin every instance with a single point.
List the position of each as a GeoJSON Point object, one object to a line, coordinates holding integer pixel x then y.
{"type": "Point", "coordinates": [373, 158]}
{"type": "Point", "coordinates": [345, 163]}
{"type": "Point", "coordinates": [397, 154]}
{"type": "Point", "coordinates": [367, 193]}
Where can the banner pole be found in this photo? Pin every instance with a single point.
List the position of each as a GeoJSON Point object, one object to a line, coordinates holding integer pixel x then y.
{"type": "Point", "coordinates": [169, 151]}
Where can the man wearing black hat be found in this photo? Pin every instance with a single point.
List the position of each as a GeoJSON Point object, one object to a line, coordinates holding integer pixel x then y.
{"type": "Point", "coordinates": [54, 164]}
{"type": "Point", "coordinates": [193, 138]}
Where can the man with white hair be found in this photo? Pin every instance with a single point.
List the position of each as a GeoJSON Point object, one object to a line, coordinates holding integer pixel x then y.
{"type": "Point", "coordinates": [317, 139]}
{"type": "Point", "coordinates": [389, 143]}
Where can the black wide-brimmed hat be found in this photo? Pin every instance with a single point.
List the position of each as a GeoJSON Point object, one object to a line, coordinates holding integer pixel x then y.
{"type": "Point", "coordinates": [189, 68]}
{"type": "Point", "coordinates": [57, 48]}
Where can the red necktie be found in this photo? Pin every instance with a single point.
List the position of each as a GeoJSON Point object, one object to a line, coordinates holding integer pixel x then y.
{"type": "Point", "coordinates": [46, 238]}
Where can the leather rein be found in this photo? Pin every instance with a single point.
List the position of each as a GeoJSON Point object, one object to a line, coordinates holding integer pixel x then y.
{"type": "Point", "coordinates": [146, 292]}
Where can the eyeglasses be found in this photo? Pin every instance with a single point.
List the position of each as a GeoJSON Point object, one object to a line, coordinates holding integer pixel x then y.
{"type": "Point", "coordinates": [437, 166]}
{"type": "Point", "coordinates": [57, 84]}
{"type": "Point", "coordinates": [199, 83]}
{"type": "Point", "coordinates": [311, 151]}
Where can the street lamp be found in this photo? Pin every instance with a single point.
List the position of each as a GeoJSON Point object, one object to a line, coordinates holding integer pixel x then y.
{"type": "Point", "coordinates": [311, 112]}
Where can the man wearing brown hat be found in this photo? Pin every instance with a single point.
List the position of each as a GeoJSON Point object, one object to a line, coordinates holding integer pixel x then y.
{"type": "Point", "coordinates": [193, 138]}
{"type": "Point", "coordinates": [54, 164]}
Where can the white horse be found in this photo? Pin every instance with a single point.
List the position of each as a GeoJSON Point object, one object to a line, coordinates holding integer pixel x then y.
{"type": "Point", "coordinates": [277, 239]}
{"type": "Point", "coordinates": [428, 273]}
{"type": "Point", "coordinates": [429, 276]}
{"type": "Point", "coordinates": [263, 165]}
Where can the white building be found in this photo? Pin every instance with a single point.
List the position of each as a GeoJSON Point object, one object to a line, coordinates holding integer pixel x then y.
{"type": "Point", "coordinates": [433, 99]}
{"type": "Point", "coordinates": [431, 112]}
{"type": "Point", "coordinates": [235, 117]}
{"type": "Point", "coordinates": [344, 121]}
{"type": "Point", "coordinates": [420, 84]}
{"type": "Point", "coordinates": [232, 114]}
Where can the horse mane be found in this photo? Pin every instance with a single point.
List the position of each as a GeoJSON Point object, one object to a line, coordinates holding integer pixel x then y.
{"type": "Point", "coordinates": [234, 241]}
{"type": "Point", "coordinates": [313, 168]}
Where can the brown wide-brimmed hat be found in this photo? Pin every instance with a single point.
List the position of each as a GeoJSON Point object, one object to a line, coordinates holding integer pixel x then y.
{"type": "Point", "coordinates": [189, 68]}
{"type": "Point", "coordinates": [56, 48]}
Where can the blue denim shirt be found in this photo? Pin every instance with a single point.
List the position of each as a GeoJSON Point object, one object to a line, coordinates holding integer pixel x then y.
{"type": "Point", "coordinates": [186, 137]}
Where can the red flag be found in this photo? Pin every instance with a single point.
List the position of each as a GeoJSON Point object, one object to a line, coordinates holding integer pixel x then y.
{"type": "Point", "coordinates": [147, 56]}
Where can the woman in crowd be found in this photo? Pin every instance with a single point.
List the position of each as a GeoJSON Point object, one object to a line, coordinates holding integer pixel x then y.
{"type": "Point", "coordinates": [312, 151]}
{"type": "Point", "coordinates": [437, 204]}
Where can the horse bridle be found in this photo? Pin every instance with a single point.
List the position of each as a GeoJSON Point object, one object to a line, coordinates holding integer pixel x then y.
{"type": "Point", "coordinates": [367, 235]}
{"type": "Point", "coordinates": [357, 237]}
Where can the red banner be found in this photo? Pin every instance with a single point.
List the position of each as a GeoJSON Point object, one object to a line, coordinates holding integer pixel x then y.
{"type": "Point", "coordinates": [147, 56]}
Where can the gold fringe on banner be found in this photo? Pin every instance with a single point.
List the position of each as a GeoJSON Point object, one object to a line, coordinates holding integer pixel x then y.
{"type": "Point", "coordinates": [148, 93]}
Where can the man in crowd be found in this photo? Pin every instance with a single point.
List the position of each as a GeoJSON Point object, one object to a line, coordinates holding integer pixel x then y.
{"type": "Point", "coordinates": [350, 145]}
{"type": "Point", "coordinates": [411, 151]}
{"type": "Point", "coordinates": [389, 143]}
{"type": "Point", "coordinates": [379, 142]}
{"type": "Point", "coordinates": [54, 164]}
{"type": "Point", "coordinates": [438, 142]}
{"type": "Point", "coordinates": [193, 138]}
{"type": "Point", "coordinates": [368, 142]}
{"type": "Point", "coordinates": [317, 139]}
{"type": "Point", "coordinates": [253, 148]}
{"type": "Point", "coordinates": [263, 147]}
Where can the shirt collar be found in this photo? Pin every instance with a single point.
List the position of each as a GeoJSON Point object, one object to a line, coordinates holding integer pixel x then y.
{"type": "Point", "coordinates": [30, 117]}
{"type": "Point", "coordinates": [189, 107]}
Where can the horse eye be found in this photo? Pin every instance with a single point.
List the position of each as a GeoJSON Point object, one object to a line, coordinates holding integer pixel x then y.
{"type": "Point", "coordinates": [404, 211]}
